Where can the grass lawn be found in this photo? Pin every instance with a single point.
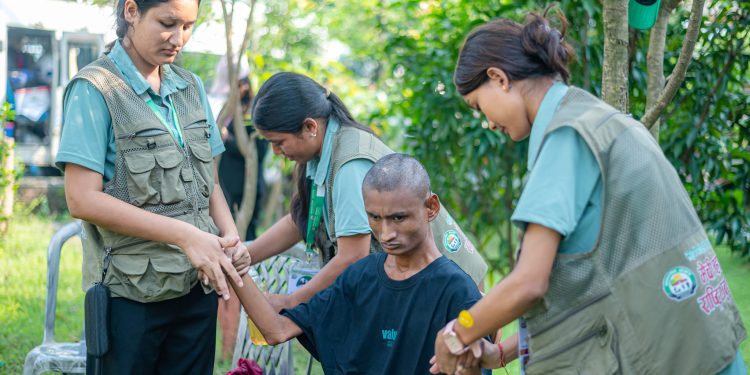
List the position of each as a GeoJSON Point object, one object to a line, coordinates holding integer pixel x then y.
{"type": "Point", "coordinates": [23, 270]}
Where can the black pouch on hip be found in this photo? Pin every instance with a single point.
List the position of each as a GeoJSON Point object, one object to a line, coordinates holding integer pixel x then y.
{"type": "Point", "coordinates": [96, 315]}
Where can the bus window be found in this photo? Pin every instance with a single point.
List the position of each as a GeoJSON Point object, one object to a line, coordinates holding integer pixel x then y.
{"type": "Point", "coordinates": [80, 54]}
{"type": "Point", "coordinates": [30, 72]}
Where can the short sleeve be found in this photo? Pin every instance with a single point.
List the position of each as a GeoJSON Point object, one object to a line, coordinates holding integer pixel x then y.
{"type": "Point", "coordinates": [86, 130]}
{"type": "Point", "coordinates": [560, 184]}
{"type": "Point", "coordinates": [348, 204]}
{"type": "Point", "coordinates": [465, 294]}
{"type": "Point", "coordinates": [217, 146]}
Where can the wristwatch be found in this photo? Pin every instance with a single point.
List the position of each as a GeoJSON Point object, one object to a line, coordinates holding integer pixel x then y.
{"type": "Point", "coordinates": [454, 344]}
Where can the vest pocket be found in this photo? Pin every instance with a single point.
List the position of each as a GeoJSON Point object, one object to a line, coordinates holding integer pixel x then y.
{"type": "Point", "coordinates": [593, 351]}
{"type": "Point", "coordinates": [202, 163]}
{"type": "Point", "coordinates": [172, 189]}
{"type": "Point", "coordinates": [148, 278]}
{"type": "Point", "coordinates": [140, 182]}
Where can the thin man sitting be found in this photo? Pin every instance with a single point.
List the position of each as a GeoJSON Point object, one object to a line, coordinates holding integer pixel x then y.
{"type": "Point", "coordinates": [381, 315]}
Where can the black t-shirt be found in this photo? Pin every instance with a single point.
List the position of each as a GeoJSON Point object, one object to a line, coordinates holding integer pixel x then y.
{"type": "Point", "coordinates": [367, 323]}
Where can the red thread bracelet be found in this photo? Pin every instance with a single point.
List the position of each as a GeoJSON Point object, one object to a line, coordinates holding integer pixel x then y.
{"type": "Point", "coordinates": [502, 356]}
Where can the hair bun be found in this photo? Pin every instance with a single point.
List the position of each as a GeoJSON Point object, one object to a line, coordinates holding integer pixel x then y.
{"type": "Point", "coordinates": [547, 43]}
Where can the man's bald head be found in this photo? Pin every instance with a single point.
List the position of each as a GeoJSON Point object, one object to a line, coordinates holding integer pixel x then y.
{"type": "Point", "coordinates": [395, 172]}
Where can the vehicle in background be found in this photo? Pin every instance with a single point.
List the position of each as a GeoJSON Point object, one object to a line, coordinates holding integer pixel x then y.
{"type": "Point", "coordinates": [43, 44]}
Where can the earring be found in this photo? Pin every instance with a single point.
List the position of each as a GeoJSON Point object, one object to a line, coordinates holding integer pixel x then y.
{"type": "Point", "coordinates": [314, 134]}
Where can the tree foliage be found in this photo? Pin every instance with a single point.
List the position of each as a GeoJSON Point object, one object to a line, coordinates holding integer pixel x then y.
{"type": "Point", "coordinates": [396, 74]}
{"type": "Point", "coordinates": [479, 174]}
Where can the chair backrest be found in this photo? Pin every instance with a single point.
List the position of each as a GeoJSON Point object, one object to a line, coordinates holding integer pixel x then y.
{"type": "Point", "coordinates": [54, 249]}
{"type": "Point", "coordinates": [277, 359]}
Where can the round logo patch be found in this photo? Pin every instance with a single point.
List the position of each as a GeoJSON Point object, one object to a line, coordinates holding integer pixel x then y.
{"type": "Point", "coordinates": [452, 241]}
{"type": "Point", "coordinates": [679, 283]}
{"type": "Point", "coordinates": [303, 280]}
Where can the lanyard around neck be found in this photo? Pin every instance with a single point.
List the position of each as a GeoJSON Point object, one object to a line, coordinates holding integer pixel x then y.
{"type": "Point", "coordinates": [313, 218]}
{"type": "Point", "coordinates": [173, 128]}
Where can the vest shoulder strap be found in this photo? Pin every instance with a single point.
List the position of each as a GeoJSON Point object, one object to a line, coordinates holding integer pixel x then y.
{"type": "Point", "coordinates": [352, 143]}
{"type": "Point", "coordinates": [596, 122]}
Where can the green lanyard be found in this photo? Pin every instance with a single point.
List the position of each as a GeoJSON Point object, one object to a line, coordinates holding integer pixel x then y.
{"type": "Point", "coordinates": [174, 129]}
{"type": "Point", "coordinates": [313, 219]}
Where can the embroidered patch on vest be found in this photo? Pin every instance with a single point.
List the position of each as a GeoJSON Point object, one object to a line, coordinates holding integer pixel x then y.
{"type": "Point", "coordinates": [452, 241]}
{"type": "Point", "coordinates": [679, 283]}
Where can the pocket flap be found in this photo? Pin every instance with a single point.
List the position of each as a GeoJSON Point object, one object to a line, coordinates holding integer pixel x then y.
{"type": "Point", "coordinates": [170, 262]}
{"type": "Point", "coordinates": [139, 162]}
{"type": "Point", "coordinates": [194, 117]}
{"type": "Point", "coordinates": [201, 150]}
{"type": "Point", "coordinates": [169, 158]}
{"type": "Point", "coordinates": [130, 264]}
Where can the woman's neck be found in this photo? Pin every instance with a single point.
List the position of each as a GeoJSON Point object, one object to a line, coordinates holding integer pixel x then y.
{"type": "Point", "coordinates": [322, 138]}
{"type": "Point", "coordinates": [534, 92]}
{"type": "Point", "coordinates": [150, 72]}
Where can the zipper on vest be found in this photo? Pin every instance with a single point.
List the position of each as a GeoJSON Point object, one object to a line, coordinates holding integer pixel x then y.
{"type": "Point", "coordinates": [144, 133]}
{"type": "Point", "coordinates": [194, 183]}
{"type": "Point", "coordinates": [198, 124]}
{"type": "Point", "coordinates": [195, 124]}
{"type": "Point", "coordinates": [601, 331]}
{"type": "Point", "coordinates": [110, 249]}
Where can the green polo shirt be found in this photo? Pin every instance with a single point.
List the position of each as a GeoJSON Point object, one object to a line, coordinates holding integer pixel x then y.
{"type": "Point", "coordinates": [564, 187]}
{"type": "Point", "coordinates": [88, 139]}
{"type": "Point", "coordinates": [348, 203]}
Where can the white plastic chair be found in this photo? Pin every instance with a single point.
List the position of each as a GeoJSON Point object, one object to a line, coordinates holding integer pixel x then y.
{"type": "Point", "coordinates": [66, 357]}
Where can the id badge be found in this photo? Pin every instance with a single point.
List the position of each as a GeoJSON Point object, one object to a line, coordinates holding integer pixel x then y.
{"type": "Point", "coordinates": [300, 274]}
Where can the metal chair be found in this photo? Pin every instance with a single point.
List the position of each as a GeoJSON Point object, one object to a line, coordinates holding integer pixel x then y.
{"type": "Point", "coordinates": [274, 360]}
{"type": "Point", "coordinates": [67, 357]}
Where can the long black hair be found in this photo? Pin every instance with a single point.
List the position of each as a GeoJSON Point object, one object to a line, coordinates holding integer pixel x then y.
{"type": "Point", "coordinates": [282, 104]}
{"type": "Point", "coordinates": [522, 51]}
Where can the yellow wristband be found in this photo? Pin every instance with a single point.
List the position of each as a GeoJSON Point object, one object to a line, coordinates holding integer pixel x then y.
{"type": "Point", "coordinates": [465, 319]}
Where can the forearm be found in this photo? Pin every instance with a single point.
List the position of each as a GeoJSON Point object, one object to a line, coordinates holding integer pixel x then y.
{"type": "Point", "coordinates": [275, 328]}
{"type": "Point", "coordinates": [518, 292]}
{"type": "Point", "coordinates": [219, 212]}
{"type": "Point", "coordinates": [277, 239]}
{"type": "Point", "coordinates": [103, 210]}
{"type": "Point", "coordinates": [507, 301]}
{"type": "Point", "coordinates": [323, 279]}
{"type": "Point", "coordinates": [350, 250]}
{"type": "Point", "coordinates": [510, 348]}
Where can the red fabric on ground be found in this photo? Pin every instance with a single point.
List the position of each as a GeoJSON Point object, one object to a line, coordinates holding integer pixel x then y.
{"type": "Point", "coordinates": [246, 367]}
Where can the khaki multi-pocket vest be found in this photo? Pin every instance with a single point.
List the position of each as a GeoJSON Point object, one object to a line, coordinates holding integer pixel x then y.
{"type": "Point", "coordinates": [650, 298]}
{"type": "Point", "coordinates": [351, 143]}
{"type": "Point", "coordinates": [152, 172]}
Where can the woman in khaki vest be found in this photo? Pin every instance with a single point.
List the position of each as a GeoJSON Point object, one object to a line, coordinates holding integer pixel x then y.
{"type": "Point", "coordinates": [310, 125]}
{"type": "Point", "coordinates": [615, 273]}
{"type": "Point", "coordinates": [137, 150]}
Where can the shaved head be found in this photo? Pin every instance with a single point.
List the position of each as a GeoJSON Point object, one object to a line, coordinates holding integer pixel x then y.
{"type": "Point", "coordinates": [395, 172]}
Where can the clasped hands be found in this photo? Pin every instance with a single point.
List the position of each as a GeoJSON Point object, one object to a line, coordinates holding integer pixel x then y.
{"type": "Point", "coordinates": [217, 258]}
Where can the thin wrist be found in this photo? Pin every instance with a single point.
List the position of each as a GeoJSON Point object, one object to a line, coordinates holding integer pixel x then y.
{"type": "Point", "coordinates": [461, 333]}
{"type": "Point", "coordinates": [185, 235]}
{"type": "Point", "coordinates": [293, 299]}
{"type": "Point", "coordinates": [231, 231]}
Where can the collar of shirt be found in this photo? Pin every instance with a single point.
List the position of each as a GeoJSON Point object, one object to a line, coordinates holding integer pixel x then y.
{"type": "Point", "coordinates": [544, 115]}
{"type": "Point", "coordinates": [317, 168]}
{"type": "Point", "coordinates": [170, 81]}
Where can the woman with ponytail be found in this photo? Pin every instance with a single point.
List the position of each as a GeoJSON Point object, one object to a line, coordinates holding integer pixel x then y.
{"type": "Point", "coordinates": [611, 276]}
{"type": "Point", "coordinates": [137, 150]}
{"type": "Point", "coordinates": [310, 125]}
